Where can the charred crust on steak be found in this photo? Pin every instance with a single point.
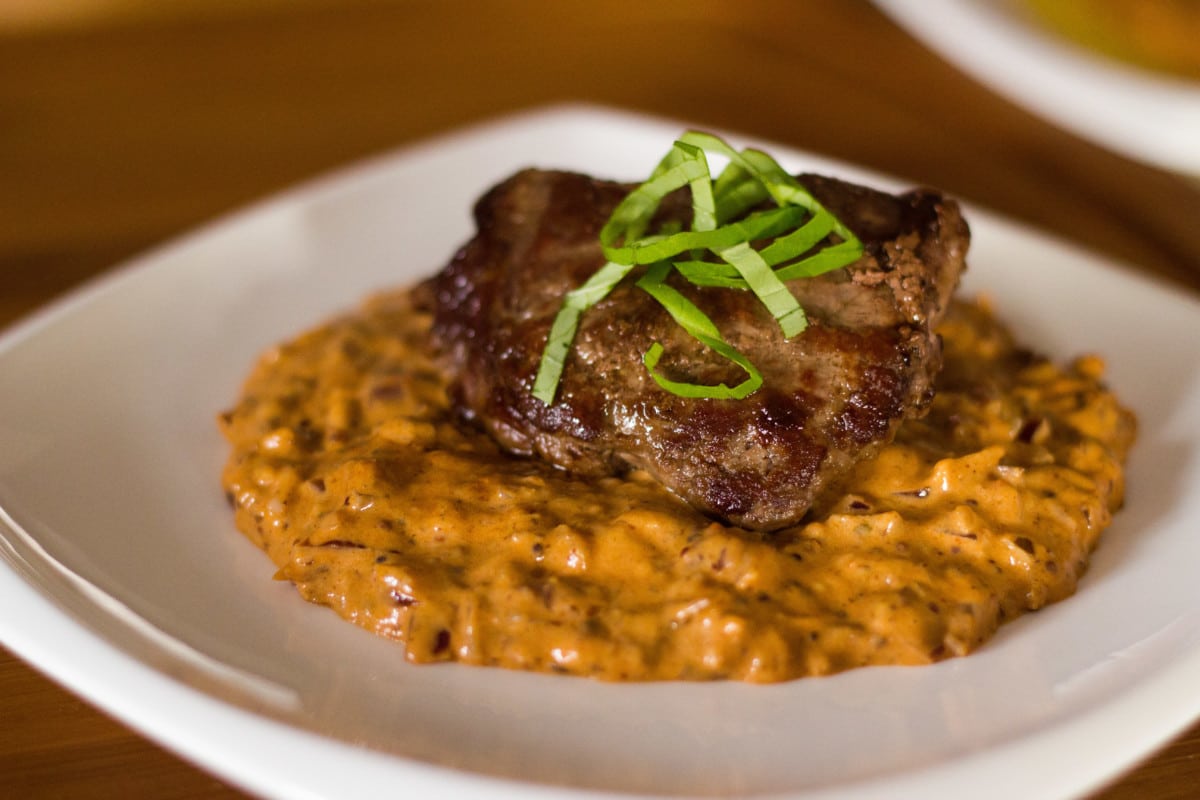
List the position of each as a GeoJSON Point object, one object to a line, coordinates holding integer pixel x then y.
{"type": "Point", "coordinates": [832, 395]}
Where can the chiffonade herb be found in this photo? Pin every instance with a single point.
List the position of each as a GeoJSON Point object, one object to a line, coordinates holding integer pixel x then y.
{"type": "Point", "coordinates": [753, 200]}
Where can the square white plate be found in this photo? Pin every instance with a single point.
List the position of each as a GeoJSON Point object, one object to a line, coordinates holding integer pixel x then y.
{"type": "Point", "coordinates": [123, 578]}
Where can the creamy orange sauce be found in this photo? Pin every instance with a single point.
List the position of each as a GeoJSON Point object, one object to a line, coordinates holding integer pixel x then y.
{"type": "Point", "coordinates": [348, 469]}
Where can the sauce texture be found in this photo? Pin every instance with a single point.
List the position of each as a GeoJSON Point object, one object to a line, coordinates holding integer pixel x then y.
{"type": "Point", "coordinates": [350, 470]}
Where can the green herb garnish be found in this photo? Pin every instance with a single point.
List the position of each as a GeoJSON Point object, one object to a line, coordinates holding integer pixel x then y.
{"type": "Point", "coordinates": [727, 219]}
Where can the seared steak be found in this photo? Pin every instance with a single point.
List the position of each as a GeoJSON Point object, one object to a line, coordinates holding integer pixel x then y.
{"type": "Point", "coordinates": [831, 395]}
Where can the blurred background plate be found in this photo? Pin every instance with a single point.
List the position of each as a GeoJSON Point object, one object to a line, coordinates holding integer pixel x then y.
{"type": "Point", "coordinates": [1147, 115]}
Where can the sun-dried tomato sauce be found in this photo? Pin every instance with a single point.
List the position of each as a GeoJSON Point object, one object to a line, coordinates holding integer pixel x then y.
{"type": "Point", "coordinates": [350, 470]}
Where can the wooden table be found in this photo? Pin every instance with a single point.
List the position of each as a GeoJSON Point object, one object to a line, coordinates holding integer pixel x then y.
{"type": "Point", "coordinates": [120, 131]}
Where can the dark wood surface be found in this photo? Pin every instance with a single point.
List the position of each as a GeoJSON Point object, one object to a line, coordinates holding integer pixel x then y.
{"type": "Point", "coordinates": [119, 132]}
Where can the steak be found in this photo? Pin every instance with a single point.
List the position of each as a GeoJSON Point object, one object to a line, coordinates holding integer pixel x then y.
{"type": "Point", "coordinates": [831, 395]}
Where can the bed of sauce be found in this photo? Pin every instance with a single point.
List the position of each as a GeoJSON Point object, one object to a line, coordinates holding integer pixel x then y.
{"type": "Point", "coordinates": [349, 469]}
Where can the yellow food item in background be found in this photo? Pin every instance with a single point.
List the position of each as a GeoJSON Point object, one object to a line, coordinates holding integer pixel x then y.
{"type": "Point", "coordinates": [1163, 35]}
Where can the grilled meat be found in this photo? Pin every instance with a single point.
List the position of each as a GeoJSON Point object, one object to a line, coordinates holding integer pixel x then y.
{"type": "Point", "coordinates": [831, 395]}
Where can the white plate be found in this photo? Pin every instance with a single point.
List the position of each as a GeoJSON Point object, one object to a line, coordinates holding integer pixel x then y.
{"type": "Point", "coordinates": [1134, 111]}
{"type": "Point", "coordinates": [123, 578]}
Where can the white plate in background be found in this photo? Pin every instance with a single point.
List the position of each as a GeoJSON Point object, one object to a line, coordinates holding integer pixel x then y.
{"type": "Point", "coordinates": [123, 578]}
{"type": "Point", "coordinates": [1138, 113]}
